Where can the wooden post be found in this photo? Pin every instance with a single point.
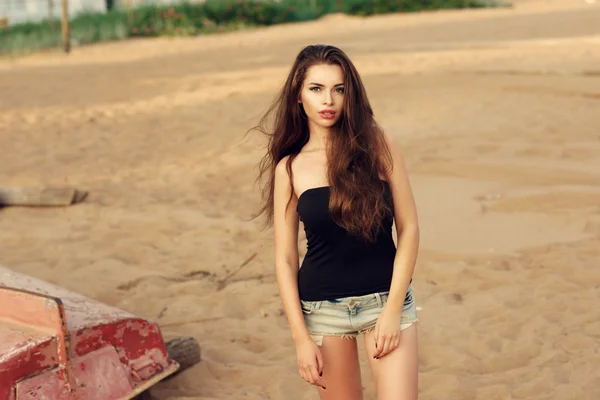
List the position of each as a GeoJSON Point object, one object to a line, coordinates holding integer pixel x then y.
{"type": "Point", "coordinates": [66, 30]}
{"type": "Point", "coordinates": [340, 4]}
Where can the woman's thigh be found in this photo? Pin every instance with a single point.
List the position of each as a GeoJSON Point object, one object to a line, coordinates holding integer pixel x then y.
{"type": "Point", "coordinates": [396, 374]}
{"type": "Point", "coordinates": [341, 369]}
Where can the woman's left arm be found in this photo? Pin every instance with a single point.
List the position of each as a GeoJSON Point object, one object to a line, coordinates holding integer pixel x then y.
{"type": "Point", "coordinates": [387, 336]}
{"type": "Point", "coordinates": [407, 228]}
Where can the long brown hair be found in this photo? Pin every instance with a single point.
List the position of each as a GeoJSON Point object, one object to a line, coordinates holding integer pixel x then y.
{"type": "Point", "coordinates": [357, 152]}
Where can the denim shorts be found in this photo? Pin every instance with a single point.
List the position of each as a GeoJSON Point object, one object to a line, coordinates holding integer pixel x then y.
{"type": "Point", "coordinates": [350, 316]}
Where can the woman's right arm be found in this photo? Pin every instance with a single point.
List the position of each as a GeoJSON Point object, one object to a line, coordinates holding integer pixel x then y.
{"type": "Point", "coordinates": [285, 227]}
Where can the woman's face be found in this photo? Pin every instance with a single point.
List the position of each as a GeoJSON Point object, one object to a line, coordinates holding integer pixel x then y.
{"type": "Point", "coordinates": [322, 94]}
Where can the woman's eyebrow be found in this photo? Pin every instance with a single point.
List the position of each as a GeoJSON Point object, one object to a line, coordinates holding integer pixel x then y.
{"type": "Point", "coordinates": [319, 84]}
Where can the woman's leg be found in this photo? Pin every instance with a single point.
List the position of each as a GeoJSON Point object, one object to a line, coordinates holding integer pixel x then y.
{"type": "Point", "coordinates": [396, 374]}
{"type": "Point", "coordinates": [341, 369]}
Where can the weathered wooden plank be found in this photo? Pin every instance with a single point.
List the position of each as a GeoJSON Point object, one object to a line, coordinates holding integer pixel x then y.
{"type": "Point", "coordinates": [35, 196]}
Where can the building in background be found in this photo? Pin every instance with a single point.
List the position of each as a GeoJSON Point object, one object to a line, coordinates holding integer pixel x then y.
{"type": "Point", "coordinates": [19, 11]}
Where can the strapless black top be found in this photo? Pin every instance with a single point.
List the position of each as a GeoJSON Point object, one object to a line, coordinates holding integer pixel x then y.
{"type": "Point", "coordinates": [337, 263]}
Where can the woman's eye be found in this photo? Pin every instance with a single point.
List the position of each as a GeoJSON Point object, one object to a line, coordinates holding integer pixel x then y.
{"type": "Point", "coordinates": [318, 89]}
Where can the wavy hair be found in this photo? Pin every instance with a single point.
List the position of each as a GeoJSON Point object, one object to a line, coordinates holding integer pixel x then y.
{"type": "Point", "coordinates": [357, 153]}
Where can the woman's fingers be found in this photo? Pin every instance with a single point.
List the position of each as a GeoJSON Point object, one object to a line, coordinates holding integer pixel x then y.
{"type": "Point", "coordinates": [316, 378]}
{"type": "Point", "coordinates": [310, 364]}
{"type": "Point", "coordinates": [311, 375]}
{"type": "Point", "coordinates": [380, 345]}
{"type": "Point", "coordinates": [320, 363]}
{"type": "Point", "coordinates": [302, 373]}
{"type": "Point", "coordinates": [385, 345]}
{"type": "Point", "coordinates": [387, 348]}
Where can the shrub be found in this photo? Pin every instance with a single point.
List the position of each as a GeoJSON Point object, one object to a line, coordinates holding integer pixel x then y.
{"type": "Point", "coordinates": [247, 12]}
{"type": "Point", "coordinates": [183, 19]}
{"type": "Point", "coordinates": [89, 28]}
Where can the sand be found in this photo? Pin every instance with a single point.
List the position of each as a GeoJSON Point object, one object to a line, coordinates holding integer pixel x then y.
{"type": "Point", "coordinates": [496, 111]}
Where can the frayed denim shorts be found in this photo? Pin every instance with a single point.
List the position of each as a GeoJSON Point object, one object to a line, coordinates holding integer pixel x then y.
{"type": "Point", "coordinates": [349, 317]}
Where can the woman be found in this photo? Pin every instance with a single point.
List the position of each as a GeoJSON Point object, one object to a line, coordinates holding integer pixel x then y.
{"type": "Point", "coordinates": [331, 166]}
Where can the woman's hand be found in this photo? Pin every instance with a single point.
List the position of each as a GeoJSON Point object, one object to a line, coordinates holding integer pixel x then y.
{"type": "Point", "coordinates": [310, 362]}
{"type": "Point", "coordinates": [387, 332]}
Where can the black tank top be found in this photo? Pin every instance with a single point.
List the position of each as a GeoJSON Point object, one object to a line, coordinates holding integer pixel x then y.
{"type": "Point", "coordinates": [337, 263]}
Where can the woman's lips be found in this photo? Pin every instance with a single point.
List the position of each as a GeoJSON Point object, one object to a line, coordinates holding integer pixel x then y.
{"type": "Point", "coordinates": [327, 114]}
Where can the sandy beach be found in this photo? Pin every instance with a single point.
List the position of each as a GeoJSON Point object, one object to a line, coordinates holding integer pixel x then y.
{"type": "Point", "coordinates": [498, 116]}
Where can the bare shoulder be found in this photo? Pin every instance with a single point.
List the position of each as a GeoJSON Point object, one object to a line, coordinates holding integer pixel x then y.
{"type": "Point", "coordinates": [404, 202]}
{"type": "Point", "coordinates": [284, 201]}
{"type": "Point", "coordinates": [307, 170]}
{"type": "Point", "coordinates": [282, 177]}
{"type": "Point", "coordinates": [281, 169]}
{"type": "Point", "coordinates": [395, 156]}
{"type": "Point", "coordinates": [390, 141]}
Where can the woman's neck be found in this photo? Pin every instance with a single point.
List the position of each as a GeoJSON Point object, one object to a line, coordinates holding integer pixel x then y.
{"type": "Point", "coordinates": [318, 138]}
